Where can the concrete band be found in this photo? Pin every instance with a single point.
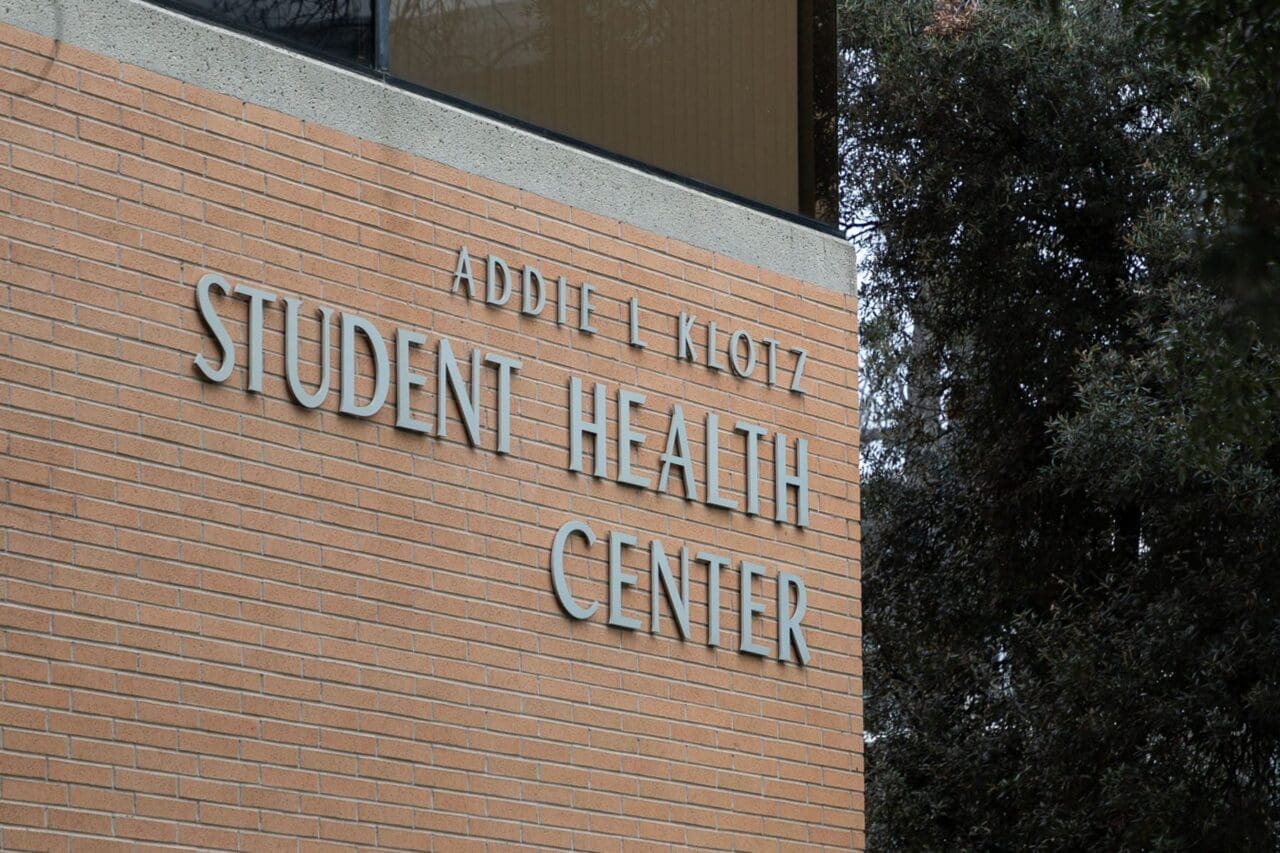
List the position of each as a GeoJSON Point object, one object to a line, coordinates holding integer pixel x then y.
{"type": "Point", "coordinates": [243, 67]}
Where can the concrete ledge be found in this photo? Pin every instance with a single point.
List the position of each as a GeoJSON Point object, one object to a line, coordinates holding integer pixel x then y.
{"type": "Point", "coordinates": [235, 64]}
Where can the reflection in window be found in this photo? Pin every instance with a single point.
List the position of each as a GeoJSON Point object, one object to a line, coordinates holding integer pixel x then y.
{"type": "Point", "coordinates": [339, 28]}
{"type": "Point", "coordinates": [738, 95]}
{"type": "Point", "coordinates": [707, 89]}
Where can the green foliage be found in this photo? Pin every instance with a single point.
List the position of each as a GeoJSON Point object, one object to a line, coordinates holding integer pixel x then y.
{"type": "Point", "coordinates": [1071, 513]}
{"type": "Point", "coordinates": [1231, 48]}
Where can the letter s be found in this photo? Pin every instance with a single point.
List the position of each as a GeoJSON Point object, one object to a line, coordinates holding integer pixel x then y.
{"type": "Point", "coordinates": [214, 322]}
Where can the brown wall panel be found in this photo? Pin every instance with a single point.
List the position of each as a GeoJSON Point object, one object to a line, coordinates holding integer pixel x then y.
{"type": "Point", "coordinates": [705, 89]}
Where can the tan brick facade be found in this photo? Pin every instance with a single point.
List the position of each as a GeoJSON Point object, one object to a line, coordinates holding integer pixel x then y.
{"type": "Point", "coordinates": [227, 621]}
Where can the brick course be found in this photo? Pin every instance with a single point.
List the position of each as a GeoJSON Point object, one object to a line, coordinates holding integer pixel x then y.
{"type": "Point", "coordinates": [230, 622]}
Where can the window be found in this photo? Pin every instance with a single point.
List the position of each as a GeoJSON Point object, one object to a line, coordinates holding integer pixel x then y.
{"type": "Point", "coordinates": [734, 95]}
{"type": "Point", "coordinates": [341, 29]}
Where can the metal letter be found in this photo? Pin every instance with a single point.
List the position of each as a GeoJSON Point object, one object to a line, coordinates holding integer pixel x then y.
{"type": "Point", "coordinates": [684, 337]}
{"type": "Point", "coordinates": [635, 325]}
{"type": "Point", "coordinates": [789, 630]}
{"type": "Point", "coordinates": [660, 575]}
{"type": "Point", "coordinates": [407, 379]}
{"type": "Point", "coordinates": [748, 608]}
{"type": "Point", "coordinates": [449, 383]}
{"type": "Point", "coordinates": [257, 298]}
{"type": "Point", "coordinates": [585, 309]}
{"type": "Point", "coordinates": [737, 338]}
{"type": "Point", "coordinates": [773, 360]}
{"type": "Point", "coordinates": [528, 279]}
{"type": "Point", "coordinates": [381, 369]}
{"type": "Point", "coordinates": [562, 301]}
{"type": "Point", "coordinates": [214, 322]}
{"type": "Point", "coordinates": [713, 347]}
{"type": "Point", "coordinates": [491, 295]}
{"type": "Point", "coordinates": [558, 580]}
{"type": "Point", "coordinates": [714, 566]}
{"type": "Point", "coordinates": [309, 401]}
{"type": "Point", "coordinates": [628, 438]}
{"type": "Point", "coordinates": [462, 272]}
{"type": "Point", "coordinates": [673, 456]}
{"type": "Point", "coordinates": [506, 366]}
{"type": "Point", "coordinates": [619, 579]}
{"type": "Point", "coordinates": [595, 428]}
{"type": "Point", "coordinates": [713, 466]}
{"type": "Point", "coordinates": [782, 480]}
{"type": "Point", "coordinates": [753, 434]}
{"type": "Point", "coordinates": [801, 358]}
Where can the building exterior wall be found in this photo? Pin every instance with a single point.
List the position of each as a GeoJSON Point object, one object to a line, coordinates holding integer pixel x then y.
{"type": "Point", "coordinates": [229, 621]}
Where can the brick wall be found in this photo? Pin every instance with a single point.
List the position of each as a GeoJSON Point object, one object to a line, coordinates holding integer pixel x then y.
{"type": "Point", "coordinates": [228, 621]}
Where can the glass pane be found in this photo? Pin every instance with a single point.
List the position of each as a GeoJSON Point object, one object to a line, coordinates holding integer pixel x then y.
{"type": "Point", "coordinates": [707, 89]}
{"type": "Point", "coordinates": [340, 28]}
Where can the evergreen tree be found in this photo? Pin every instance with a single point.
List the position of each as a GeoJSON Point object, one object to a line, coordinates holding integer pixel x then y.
{"type": "Point", "coordinates": [1232, 48]}
{"type": "Point", "coordinates": [1072, 485]}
